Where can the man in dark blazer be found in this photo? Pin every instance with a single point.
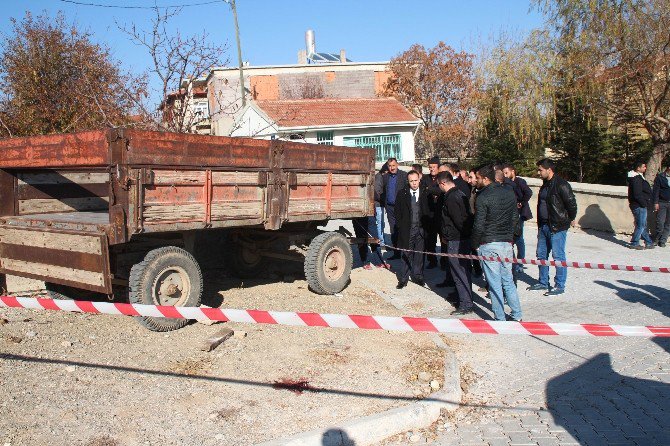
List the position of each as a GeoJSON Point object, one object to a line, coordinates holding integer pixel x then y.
{"type": "Point", "coordinates": [412, 218]}
{"type": "Point", "coordinates": [393, 182]}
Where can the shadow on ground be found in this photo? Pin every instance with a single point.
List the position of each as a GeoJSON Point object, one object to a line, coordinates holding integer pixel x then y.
{"type": "Point", "coordinates": [596, 405]}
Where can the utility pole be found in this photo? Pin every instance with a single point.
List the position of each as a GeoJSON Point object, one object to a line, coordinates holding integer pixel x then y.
{"type": "Point", "coordinates": [239, 50]}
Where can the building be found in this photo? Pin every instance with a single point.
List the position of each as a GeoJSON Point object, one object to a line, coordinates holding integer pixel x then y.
{"type": "Point", "coordinates": [380, 123]}
{"type": "Point", "coordinates": [318, 81]}
{"type": "Point", "coordinates": [187, 110]}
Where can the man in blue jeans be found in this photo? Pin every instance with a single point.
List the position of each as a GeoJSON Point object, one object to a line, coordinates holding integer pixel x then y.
{"type": "Point", "coordinates": [639, 198]}
{"type": "Point", "coordinates": [556, 212]}
{"type": "Point", "coordinates": [496, 217]}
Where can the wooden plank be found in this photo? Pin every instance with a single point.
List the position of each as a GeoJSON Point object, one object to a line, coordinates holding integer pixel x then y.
{"type": "Point", "coordinates": [59, 177]}
{"type": "Point", "coordinates": [39, 206]}
{"type": "Point", "coordinates": [63, 150]}
{"type": "Point", "coordinates": [170, 177]}
{"type": "Point", "coordinates": [170, 195]}
{"type": "Point", "coordinates": [237, 193]}
{"type": "Point", "coordinates": [235, 178]}
{"type": "Point", "coordinates": [179, 212]}
{"type": "Point", "coordinates": [339, 205]}
{"type": "Point", "coordinates": [348, 179]}
{"type": "Point", "coordinates": [56, 257]}
{"type": "Point", "coordinates": [299, 207]}
{"type": "Point", "coordinates": [235, 210]}
{"type": "Point", "coordinates": [42, 239]}
{"type": "Point", "coordinates": [63, 190]}
{"type": "Point", "coordinates": [11, 266]}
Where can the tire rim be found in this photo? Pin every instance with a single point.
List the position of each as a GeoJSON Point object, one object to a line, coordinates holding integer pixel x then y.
{"type": "Point", "coordinates": [249, 256]}
{"type": "Point", "coordinates": [333, 264]}
{"type": "Point", "coordinates": [172, 287]}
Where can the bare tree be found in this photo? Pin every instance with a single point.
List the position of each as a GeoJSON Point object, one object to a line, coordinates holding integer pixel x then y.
{"type": "Point", "coordinates": [179, 64]}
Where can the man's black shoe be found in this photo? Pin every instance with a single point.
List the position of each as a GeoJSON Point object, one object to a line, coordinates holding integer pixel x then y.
{"type": "Point", "coordinates": [538, 287]}
{"type": "Point", "coordinates": [401, 285]}
{"type": "Point", "coordinates": [463, 311]}
{"type": "Point", "coordinates": [661, 245]}
{"type": "Point", "coordinates": [419, 282]}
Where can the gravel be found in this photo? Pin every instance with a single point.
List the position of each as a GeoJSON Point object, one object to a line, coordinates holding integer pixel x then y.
{"type": "Point", "coordinates": [98, 380]}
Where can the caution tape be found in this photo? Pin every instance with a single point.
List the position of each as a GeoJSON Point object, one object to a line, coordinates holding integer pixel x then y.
{"type": "Point", "coordinates": [362, 322]}
{"type": "Point", "coordinates": [539, 262]}
{"type": "Point", "coordinates": [559, 263]}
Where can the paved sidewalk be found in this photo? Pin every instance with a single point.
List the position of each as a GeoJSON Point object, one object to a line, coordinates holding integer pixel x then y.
{"type": "Point", "coordinates": [561, 390]}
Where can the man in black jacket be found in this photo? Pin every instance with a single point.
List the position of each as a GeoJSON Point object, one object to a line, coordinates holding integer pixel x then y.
{"type": "Point", "coordinates": [393, 182]}
{"type": "Point", "coordinates": [457, 229]}
{"type": "Point", "coordinates": [412, 217]}
{"type": "Point", "coordinates": [556, 212]}
{"type": "Point", "coordinates": [429, 183]}
{"type": "Point", "coordinates": [639, 198]}
{"type": "Point", "coordinates": [523, 195]}
{"type": "Point", "coordinates": [496, 217]}
{"type": "Point", "coordinates": [661, 198]}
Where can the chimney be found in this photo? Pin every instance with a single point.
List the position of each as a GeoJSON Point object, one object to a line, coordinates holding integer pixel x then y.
{"type": "Point", "coordinates": [343, 56]}
{"type": "Point", "coordinates": [302, 57]}
{"type": "Point", "coordinates": [310, 43]}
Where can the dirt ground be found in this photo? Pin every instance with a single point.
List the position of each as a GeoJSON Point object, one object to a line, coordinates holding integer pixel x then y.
{"type": "Point", "coordinates": [98, 380]}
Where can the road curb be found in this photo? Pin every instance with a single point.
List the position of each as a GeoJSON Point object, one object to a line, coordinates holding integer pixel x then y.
{"type": "Point", "coordinates": [375, 428]}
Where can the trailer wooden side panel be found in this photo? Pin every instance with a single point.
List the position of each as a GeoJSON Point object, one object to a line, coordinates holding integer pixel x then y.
{"type": "Point", "coordinates": [78, 259]}
{"type": "Point", "coordinates": [85, 149]}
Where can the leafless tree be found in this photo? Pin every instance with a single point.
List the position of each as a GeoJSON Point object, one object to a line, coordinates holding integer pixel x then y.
{"type": "Point", "coordinates": [179, 66]}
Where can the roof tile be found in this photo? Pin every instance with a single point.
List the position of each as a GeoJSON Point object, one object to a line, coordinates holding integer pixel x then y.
{"type": "Point", "coordinates": [323, 112]}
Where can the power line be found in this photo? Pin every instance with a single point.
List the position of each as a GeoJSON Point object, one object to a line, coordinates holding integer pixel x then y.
{"type": "Point", "coordinates": [142, 7]}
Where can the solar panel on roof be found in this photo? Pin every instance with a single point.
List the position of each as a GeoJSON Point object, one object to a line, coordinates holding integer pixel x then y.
{"type": "Point", "coordinates": [324, 58]}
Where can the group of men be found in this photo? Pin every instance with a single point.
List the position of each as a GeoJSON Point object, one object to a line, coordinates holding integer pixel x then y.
{"type": "Point", "coordinates": [640, 198]}
{"type": "Point", "coordinates": [482, 212]}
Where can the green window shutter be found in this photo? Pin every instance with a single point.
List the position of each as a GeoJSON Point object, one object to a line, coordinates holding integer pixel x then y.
{"type": "Point", "coordinates": [325, 138]}
{"type": "Point", "coordinates": [386, 146]}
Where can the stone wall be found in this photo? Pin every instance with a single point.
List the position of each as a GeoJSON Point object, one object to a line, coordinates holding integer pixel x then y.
{"type": "Point", "coordinates": [599, 207]}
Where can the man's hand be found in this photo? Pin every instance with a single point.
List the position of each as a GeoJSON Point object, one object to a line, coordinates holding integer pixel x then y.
{"type": "Point", "coordinates": [656, 207]}
{"type": "Point", "coordinates": [519, 205]}
{"type": "Point", "coordinates": [573, 223]}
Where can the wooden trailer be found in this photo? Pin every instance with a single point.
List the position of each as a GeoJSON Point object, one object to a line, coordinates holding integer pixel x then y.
{"type": "Point", "coordinates": [119, 212]}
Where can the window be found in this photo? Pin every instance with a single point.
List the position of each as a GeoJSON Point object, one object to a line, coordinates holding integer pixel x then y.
{"type": "Point", "coordinates": [325, 138]}
{"type": "Point", "coordinates": [387, 146]}
{"type": "Point", "coordinates": [201, 110]}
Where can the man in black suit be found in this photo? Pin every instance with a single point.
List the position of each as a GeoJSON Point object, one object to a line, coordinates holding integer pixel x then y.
{"type": "Point", "coordinates": [412, 217]}
{"type": "Point", "coordinates": [429, 183]}
{"type": "Point", "coordinates": [393, 181]}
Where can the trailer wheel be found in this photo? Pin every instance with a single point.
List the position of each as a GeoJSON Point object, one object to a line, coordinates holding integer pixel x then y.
{"type": "Point", "coordinates": [245, 261]}
{"type": "Point", "coordinates": [328, 263]}
{"type": "Point", "coordinates": [167, 276]}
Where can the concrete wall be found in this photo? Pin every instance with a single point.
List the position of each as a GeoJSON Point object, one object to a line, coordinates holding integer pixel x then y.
{"type": "Point", "coordinates": [599, 207]}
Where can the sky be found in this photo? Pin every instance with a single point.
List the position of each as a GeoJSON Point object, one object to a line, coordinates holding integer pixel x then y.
{"type": "Point", "coordinates": [272, 32]}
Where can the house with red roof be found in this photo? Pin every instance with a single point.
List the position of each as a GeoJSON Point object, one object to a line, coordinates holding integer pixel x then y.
{"type": "Point", "coordinates": [381, 123]}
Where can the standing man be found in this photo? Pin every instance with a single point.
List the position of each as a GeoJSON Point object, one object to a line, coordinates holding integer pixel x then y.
{"type": "Point", "coordinates": [523, 197]}
{"type": "Point", "coordinates": [411, 212]}
{"type": "Point", "coordinates": [429, 184]}
{"type": "Point", "coordinates": [496, 217]}
{"type": "Point", "coordinates": [393, 182]}
{"type": "Point", "coordinates": [419, 170]}
{"type": "Point", "coordinates": [639, 198]}
{"type": "Point", "coordinates": [556, 212]}
{"type": "Point", "coordinates": [661, 197]}
{"type": "Point", "coordinates": [460, 183]}
{"type": "Point", "coordinates": [457, 229]}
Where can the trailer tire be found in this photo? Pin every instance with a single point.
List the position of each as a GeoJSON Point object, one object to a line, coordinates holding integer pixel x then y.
{"type": "Point", "coordinates": [245, 262]}
{"type": "Point", "coordinates": [167, 276]}
{"type": "Point", "coordinates": [328, 263]}
{"type": "Point", "coordinates": [64, 292]}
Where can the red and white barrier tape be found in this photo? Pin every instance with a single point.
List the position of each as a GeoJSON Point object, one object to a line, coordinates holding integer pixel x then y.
{"type": "Point", "coordinates": [392, 323]}
{"type": "Point", "coordinates": [559, 263]}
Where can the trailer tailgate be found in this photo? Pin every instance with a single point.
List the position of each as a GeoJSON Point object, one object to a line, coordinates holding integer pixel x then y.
{"type": "Point", "coordinates": [73, 258]}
